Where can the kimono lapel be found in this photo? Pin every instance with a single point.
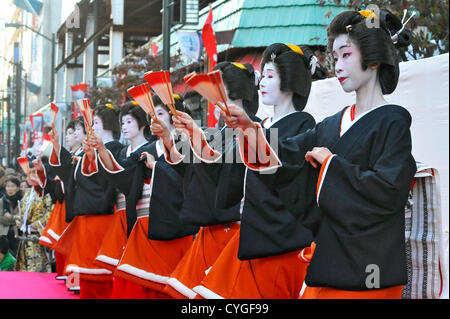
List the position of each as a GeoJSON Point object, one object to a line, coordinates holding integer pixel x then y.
{"type": "Point", "coordinates": [358, 130]}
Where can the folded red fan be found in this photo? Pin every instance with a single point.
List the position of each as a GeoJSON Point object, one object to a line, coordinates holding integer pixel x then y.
{"type": "Point", "coordinates": [84, 106]}
{"type": "Point", "coordinates": [143, 96]}
{"type": "Point", "coordinates": [55, 111]}
{"type": "Point", "coordinates": [160, 83]}
{"type": "Point", "coordinates": [210, 86]}
{"type": "Point", "coordinates": [24, 163]}
{"type": "Point", "coordinates": [188, 76]}
{"type": "Point", "coordinates": [216, 78]}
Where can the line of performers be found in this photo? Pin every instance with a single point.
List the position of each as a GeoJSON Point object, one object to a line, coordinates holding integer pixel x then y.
{"type": "Point", "coordinates": [298, 210]}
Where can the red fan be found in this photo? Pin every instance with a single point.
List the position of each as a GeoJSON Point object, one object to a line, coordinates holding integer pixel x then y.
{"type": "Point", "coordinates": [84, 106]}
{"type": "Point", "coordinates": [24, 163]}
{"type": "Point", "coordinates": [55, 111]}
{"type": "Point", "coordinates": [143, 96]}
{"type": "Point", "coordinates": [203, 85]}
{"type": "Point", "coordinates": [216, 78]}
{"type": "Point", "coordinates": [188, 76]}
{"type": "Point", "coordinates": [160, 83]}
{"type": "Point", "coordinates": [210, 86]}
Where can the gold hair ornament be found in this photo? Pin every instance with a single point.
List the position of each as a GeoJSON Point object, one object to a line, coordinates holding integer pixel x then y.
{"type": "Point", "coordinates": [368, 14]}
{"type": "Point", "coordinates": [239, 65]}
{"type": "Point", "coordinates": [295, 48]}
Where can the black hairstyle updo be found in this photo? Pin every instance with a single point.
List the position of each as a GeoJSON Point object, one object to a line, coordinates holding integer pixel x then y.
{"type": "Point", "coordinates": [375, 43]}
{"type": "Point", "coordinates": [71, 125]}
{"type": "Point", "coordinates": [134, 110]}
{"type": "Point", "coordinates": [294, 70]}
{"type": "Point", "coordinates": [109, 116]}
{"type": "Point", "coordinates": [179, 104]}
{"type": "Point", "coordinates": [80, 121]}
{"type": "Point", "coordinates": [239, 80]}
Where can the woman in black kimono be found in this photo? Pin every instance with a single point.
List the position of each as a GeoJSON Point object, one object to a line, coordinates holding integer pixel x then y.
{"type": "Point", "coordinates": [89, 208]}
{"type": "Point", "coordinates": [153, 191]}
{"type": "Point", "coordinates": [285, 83]}
{"type": "Point", "coordinates": [135, 130]}
{"type": "Point", "coordinates": [263, 249]}
{"type": "Point", "coordinates": [54, 185]}
{"type": "Point", "coordinates": [363, 159]}
{"type": "Point", "coordinates": [214, 194]}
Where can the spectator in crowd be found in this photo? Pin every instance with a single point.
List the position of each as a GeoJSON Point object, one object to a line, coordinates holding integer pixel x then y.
{"type": "Point", "coordinates": [34, 214]}
{"type": "Point", "coordinates": [2, 180]}
{"type": "Point", "coordinates": [7, 260]}
{"type": "Point", "coordinates": [9, 210]}
{"type": "Point", "coordinates": [24, 186]}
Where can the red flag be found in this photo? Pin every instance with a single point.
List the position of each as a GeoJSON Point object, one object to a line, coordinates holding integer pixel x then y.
{"type": "Point", "coordinates": [79, 92]}
{"type": "Point", "coordinates": [25, 141]}
{"type": "Point", "coordinates": [209, 40]}
{"type": "Point", "coordinates": [155, 49]}
{"type": "Point", "coordinates": [210, 44]}
{"type": "Point", "coordinates": [37, 125]}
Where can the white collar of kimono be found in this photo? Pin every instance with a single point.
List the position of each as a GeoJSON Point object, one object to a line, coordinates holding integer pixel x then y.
{"type": "Point", "coordinates": [130, 150]}
{"type": "Point", "coordinates": [268, 121]}
{"type": "Point", "coordinates": [159, 148]}
{"type": "Point", "coordinates": [78, 151]}
{"type": "Point", "coordinates": [347, 119]}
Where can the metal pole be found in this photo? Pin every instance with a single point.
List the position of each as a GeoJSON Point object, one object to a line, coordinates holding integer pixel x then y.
{"type": "Point", "coordinates": [8, 105]}
{"type": "Point", "coordinates": [18, 100]}
{"type": "Point", "coordinates": [25, 80]}
{"type": "Point", "coordinates": [166, 34]}
{"type": "Point", "coordinates": [8, 123]}
{"type": "Point", "coordinates": [95, 43]}
{"type": "Point", "coordinates": [52, 74]}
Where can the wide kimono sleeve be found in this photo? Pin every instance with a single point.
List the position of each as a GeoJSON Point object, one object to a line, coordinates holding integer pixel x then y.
{"type": "Point", "coordinates": [55, 188]}
{"type": "Point", "coordinates": [213, 183]}
{"type": "Point", "coordinates": [128, 177]}
{"type": "Point", "coordinates": [165, 204]}
{"type": "Point", "coordinates": [277, 201]}
{"type": "Point", "coordinates": [62, 163]}
{"type": "Point", "coordinates": [371, 196]}
{"type": "Point", "coordinates": [89, 168]}
{"type": "Point", "coordinates": [121, 176]}
{"type": "Point", "coordinates": [363, 217]}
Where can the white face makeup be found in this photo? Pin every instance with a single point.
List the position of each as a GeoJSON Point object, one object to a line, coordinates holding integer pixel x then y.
{"type": "Point", "coordinates": [79, 134]}
{"type": "Point", "coordinates": [97, 127]}
{"type": "Point", "coordinates": [130, 127]}
{"type": "Point", "coordinates": [70, 138]}
{"type": "Point", "coordinates": [270, 85]}
{"type": "Point", "coordinates": [348, 66]}
{"type": "Point", "coordinates": [163, 116]}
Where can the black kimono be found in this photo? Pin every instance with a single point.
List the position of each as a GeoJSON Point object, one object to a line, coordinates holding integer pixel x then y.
{"type": "Point", "coordinates": [85, 195]}
{"type": "Point", "coordinates": [52, 186]}
{"type": "Point", "coordinates": [260, 261]}
{"type": "Point", "coordinates": [361, 191]}
{"type": "Point", "coordinates": [166, 198]}
{"type": "Point", "coordinates": [215, 191]}
{"type": "Point", "coordinates": [274, 202]}
{"type": "Point", "coordinates": [158, 238]}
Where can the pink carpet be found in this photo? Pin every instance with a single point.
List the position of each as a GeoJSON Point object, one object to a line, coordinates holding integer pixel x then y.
{"type": "Point", "coordinates": [32, 285]}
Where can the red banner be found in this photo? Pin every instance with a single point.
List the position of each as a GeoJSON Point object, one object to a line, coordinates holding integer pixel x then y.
{"type": "Point", "coordinates": [78, 92]}
{"type": "Point", "coordinates": [37, 126]}
{"type": "Point", "coordinates": [210, 44]}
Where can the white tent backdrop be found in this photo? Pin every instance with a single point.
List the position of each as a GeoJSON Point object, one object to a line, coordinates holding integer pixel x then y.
{"type": "Point", "coordinates": [423, 89]}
